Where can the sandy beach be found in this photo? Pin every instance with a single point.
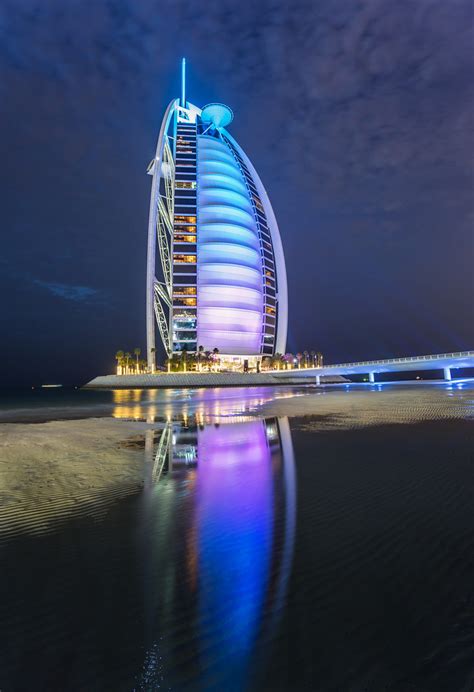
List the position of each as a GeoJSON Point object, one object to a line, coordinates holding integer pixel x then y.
{"type": "Point", "coordinates": [48, 471]}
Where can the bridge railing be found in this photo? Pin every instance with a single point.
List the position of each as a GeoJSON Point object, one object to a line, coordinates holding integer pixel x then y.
{"type": "Point", "coordinates": [390, 361]}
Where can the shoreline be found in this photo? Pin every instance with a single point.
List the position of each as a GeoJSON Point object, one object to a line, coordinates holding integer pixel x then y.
{"type": "Point", "coordinates": [50, 470]}
{"type": "Point", "coordinates": [180, 380]}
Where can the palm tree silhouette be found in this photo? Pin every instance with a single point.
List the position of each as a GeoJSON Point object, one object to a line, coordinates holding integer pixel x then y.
{"type": "Point", "coordinates": [137, 352]}
{"type": "Point", "coordinates": [119, 359]}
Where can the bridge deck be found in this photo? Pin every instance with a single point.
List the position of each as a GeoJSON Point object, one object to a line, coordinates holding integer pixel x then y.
{"type": "Point", "coordinates": [461, 359]}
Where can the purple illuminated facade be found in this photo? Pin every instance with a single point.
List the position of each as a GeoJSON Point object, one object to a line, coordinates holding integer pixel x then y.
{"type": "Point", "coordinates": [222, 264]}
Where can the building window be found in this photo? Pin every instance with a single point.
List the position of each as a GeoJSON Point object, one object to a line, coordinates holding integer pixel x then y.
{"type": "Point", "coordinates": [184, 324]}
{"type": "Point", "coordinates": [184, 290]}
{"type": "Point", "coordinates": [179, 218]}
{"type": "Point", "coordinates": [182, 238]}
{"type": "Point", "coordinates": [184, 249]}
{"type": "Point", "coordinates": [184, 279]}
{"type": "Point", "coordinates": [187, 197]}
{"type": "Point", "coordinates": [189, 335]}
{"type": "Point", "coordinates": [185, 270]}
{"type": "Point", "coordinates": [185, 301]}
{"type": "Point", "coordinates": [189, 259]}
{"type": "Point", "coordinates": [184, 314]}
{"type": "Point", "coordinates": [185, 184]}
{"type": "Point", "coordinates": [268, 272]}
{"type": "Point", "coordinates": [270, 310]}
{"type": "Point", "coordinates": [185, 208]}
{"type": "Point", "coordinates": [185, 176]}
{"type": "Point", "coordinates": [184, 229]}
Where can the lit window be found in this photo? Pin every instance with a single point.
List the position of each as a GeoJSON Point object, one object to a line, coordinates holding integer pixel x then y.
{"type": "Point", "coordinates": [269, 310]}
{"type": "Point", "coordinates": [184, 229]}
{"type": "Point", "coordinates": [184, 219]}
{"type": "Point", "coordinates": [190, 259]}
{"type": "Point", "coordinates": [181, 238]}
{"type": "Point", "coordinates": [184, 314]}
{"type": "Point", "coordinates": [185, 184]}
{"type": "Point", "coordinates": [185, 290]}
{"type": "Point", "coordinates": [185, 301]}
{"type": "Point", "coordinates": [184, 324]}
{"type": "Point", "coordinates": [268, 272]}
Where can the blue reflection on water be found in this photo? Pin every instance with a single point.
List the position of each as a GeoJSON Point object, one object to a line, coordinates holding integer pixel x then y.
{"type": "Point", "coordinates": [238, 559]}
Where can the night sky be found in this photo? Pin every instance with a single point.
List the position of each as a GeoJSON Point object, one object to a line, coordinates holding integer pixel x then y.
{"type": "Point", "coordinates": [356, 114]}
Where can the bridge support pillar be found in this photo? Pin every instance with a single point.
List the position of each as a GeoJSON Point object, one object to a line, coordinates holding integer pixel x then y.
{"type": "Point", "coordinates": [371, 377]}
{"type": "Point", "coordinates": [318, 379]}
{"type": "Point", "coordinates": [447, 373]}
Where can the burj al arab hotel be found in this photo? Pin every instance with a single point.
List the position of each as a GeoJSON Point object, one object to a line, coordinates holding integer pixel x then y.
{"type": "Point", "coordinates": [220, 281]}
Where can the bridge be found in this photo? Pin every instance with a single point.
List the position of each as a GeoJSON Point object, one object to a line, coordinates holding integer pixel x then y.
{"type": "Point", "coordinates": [446, 362]}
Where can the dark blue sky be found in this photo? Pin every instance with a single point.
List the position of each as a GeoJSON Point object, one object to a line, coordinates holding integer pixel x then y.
{"type": "Point", "coordinates": [358, 115]}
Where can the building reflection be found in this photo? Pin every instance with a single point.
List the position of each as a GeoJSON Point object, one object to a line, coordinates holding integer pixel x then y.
{"type": "Point", "coordinates": [203, 405]}
{"type": "Point", "coordinates": [228, 495]}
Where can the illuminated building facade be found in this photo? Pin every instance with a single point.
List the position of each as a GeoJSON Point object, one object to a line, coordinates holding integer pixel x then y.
{"type": "Point", "coordinates": [222, 264]}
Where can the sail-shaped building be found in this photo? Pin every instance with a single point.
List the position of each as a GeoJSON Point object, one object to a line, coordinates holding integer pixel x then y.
{"type": "Point", "coordinates": [213, 231]}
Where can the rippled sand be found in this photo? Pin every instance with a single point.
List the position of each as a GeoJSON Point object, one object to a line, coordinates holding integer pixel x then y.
{"type": "Point", "coordinates": [355, 407]}
{"type": "Point", "coordinates": [49, 470]}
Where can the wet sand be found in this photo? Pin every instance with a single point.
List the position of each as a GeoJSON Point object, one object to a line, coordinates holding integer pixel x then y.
{"type": "Point", "coordinates": [48, 471]}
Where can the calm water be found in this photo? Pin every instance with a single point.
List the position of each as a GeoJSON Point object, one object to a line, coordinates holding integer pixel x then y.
{"type": "Point", "coordinates": [281, 539]}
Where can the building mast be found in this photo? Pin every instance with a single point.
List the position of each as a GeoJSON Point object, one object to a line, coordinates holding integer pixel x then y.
{"type": "Point", "coordinates": [183, 83]}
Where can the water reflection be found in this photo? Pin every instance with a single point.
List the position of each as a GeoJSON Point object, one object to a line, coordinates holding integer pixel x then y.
{"type": "Point", "coordinates": [204, 405]}
{"type": "Point", "coordinates": [230, 497]}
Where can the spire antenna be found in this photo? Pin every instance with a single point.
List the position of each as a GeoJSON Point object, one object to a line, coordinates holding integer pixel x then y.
{"type": "Point", "coordinates": [183, 83]}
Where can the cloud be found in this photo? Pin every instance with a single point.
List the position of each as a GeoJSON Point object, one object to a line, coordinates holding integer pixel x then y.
{"type": "Point", "coordinates": [78, 294]}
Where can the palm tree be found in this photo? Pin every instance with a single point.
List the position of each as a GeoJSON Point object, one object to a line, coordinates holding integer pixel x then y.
{"type": "Point", "coordinates": [199, 356]}
{"type": "Point", "coordinates": [208, 359]}
{"type": "Point", "coordinates": [137, 352]}
{"type": "Point", "coordinates": [215, 353]}
{"type": "Point", "coordinates": [305, 356]}
{"type": "Point", "coordinates": [127, 362]}
{"type": "Point", "coordinates": [313, 355]}
{"type": "Point", "coordinates": [119, 359]}
{"type": "Point", "coordinates": [319, 359]}
{"type": "Point", "coordinates": [299, 356]}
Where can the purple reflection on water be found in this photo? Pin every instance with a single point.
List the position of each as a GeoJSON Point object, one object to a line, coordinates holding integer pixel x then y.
{"type": "Point", "coordinates": [234, 536]}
